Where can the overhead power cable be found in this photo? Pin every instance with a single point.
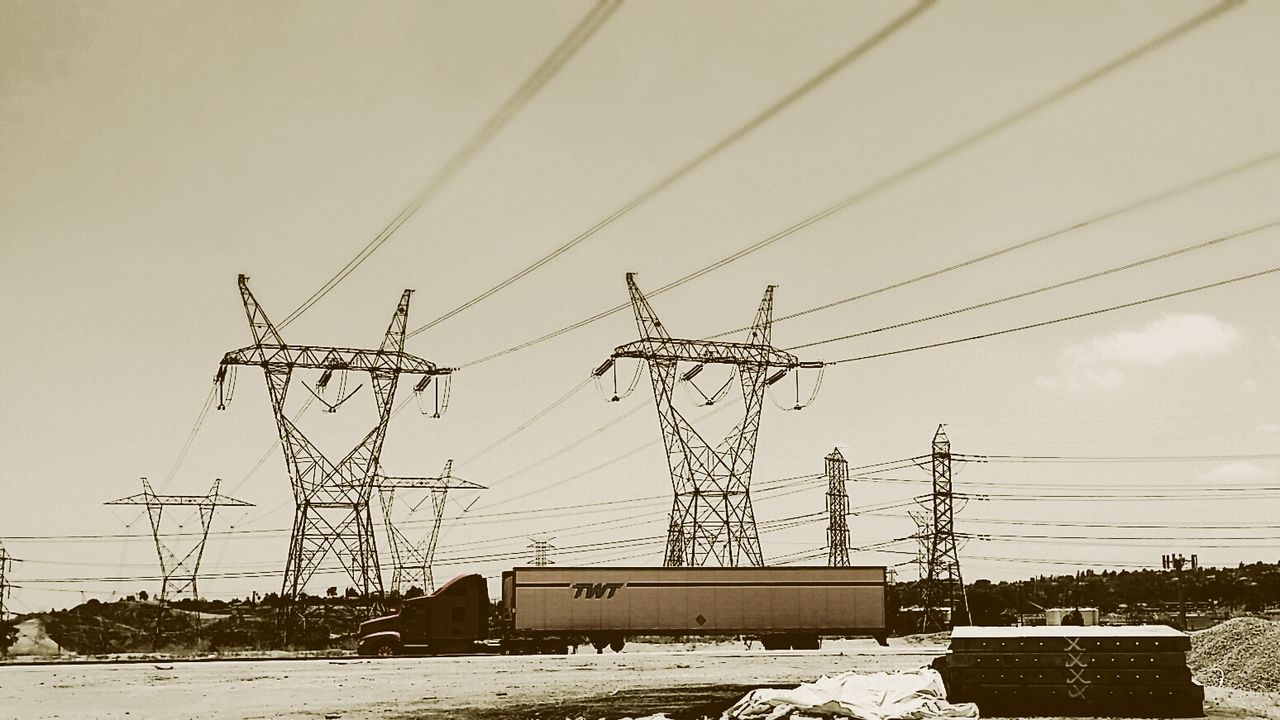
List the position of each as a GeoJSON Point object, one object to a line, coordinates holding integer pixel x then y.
{"type": "Point", "coordinates": [969, 457]}
{"type": "Point", "coordinates": [1047, 288]}
{"type": "Point", "coordinates": [893, 179]}
{"type": "Point", "coordinates": [1165, 194]}
{"type": "Point", "coordinates": [742, 131]}
{"type": "Point", "coordinates": [1238, 495]}
{"type": "Point", "coordinates": [524, 425]}
{"type": "Point", "coordinates": [543, 74]}
{"type": "Point", "coordinates": [1055, 321]}
{"type": "Point", "coordinates": [191, 438]}
{"type": "Point", "coordinates": [1172, 525]}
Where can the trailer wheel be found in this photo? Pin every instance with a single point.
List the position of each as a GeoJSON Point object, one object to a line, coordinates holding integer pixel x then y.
{"type": "Point", "coordinates": [617, 644]}
{"type": "Point", "coordinates": [806, 642]}
{"type": "Point", "coordinates": [775, 642]}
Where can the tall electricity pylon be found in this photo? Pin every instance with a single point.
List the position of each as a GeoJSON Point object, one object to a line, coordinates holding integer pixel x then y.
{"type": "Point", "coordinates": [943, 585]}
{"type": "Point", "coordinates": [332, 515]}
{"type": "Point", "coordinates": [837, 510]}
{"type": "Point", "coordinates": [711, 521]}
{"type": "Point", "coordinates": [411, 558]}
{"type": "Point", "coordinates": [179, 564]}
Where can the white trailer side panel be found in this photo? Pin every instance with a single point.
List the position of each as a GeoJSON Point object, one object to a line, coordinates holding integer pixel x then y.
{"type": "Point", "coordinates": [698, 600]}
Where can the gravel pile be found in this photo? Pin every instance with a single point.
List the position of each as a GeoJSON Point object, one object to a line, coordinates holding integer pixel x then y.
{"type": "Point", "coordinates": [1241, 653]}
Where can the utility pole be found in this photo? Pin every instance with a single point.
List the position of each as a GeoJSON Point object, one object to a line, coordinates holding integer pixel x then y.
{"type": "Point", "coordinates": [540, 547]}
{"type": "Point", "coordinates": [411, 558]}
{"type": "Point", "coordinates": [1176, 563]}
{"type": "Point", "coordinates": [943, 587]}
{"type": "Point", "coordinates": [837, 510]}
{"type": "Point", "coordinates": [332, 515]}
{"type": "Point", "coordinates": [711, 521]}
{"type": "Point", "coordinates": [6, 564]}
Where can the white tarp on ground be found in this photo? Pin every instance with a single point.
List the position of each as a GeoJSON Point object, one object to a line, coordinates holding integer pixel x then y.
{"type": "Point", "coordinates": [907, 695]}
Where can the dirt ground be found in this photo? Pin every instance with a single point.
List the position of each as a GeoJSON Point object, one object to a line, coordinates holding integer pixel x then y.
{"type": "Point", "coordinates": [688, 682]}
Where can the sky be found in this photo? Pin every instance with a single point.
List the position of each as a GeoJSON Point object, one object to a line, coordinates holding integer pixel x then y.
{"type": "Point", "coordinates": [150, 152]}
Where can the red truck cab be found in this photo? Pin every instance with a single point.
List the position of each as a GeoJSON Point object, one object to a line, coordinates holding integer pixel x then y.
{"type": "Point", "coordinates": [452, 619]}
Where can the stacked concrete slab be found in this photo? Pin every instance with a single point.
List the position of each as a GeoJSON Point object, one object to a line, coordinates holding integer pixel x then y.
{"type": "Point", "coordinates": [1134, 671]}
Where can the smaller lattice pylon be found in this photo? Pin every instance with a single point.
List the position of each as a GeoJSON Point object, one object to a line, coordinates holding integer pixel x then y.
{"type": "Point", "coordinates": [411, 558]}
{"type": "Point", "coordinates": [541, 549]}
{"type": "Point", "coordinates": [179, 565]}
{"type": "Point", "coordinates": [837, 509]}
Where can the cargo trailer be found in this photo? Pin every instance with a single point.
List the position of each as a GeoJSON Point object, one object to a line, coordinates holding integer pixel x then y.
{"type": "Point", "coordinates": [547, 609]}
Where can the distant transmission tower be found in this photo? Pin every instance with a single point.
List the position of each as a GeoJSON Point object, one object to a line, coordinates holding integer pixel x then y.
{"type": "Point", "coordinates": [540, 547]}
{"type": "Point", "coordinates": [179, 558]}
{"type": "Point", "coordinates": [943, 586]}
{"type": "Point", "coordinates": [837, 510]}
{"type": "Point", "coordinates": [332, 515]}
{"type": "Point", "coordinates": [411, 558]}
{"type": "Point", "coordinates": [923, 537]}
{"type": "Point", "coordinates": [711, 522]}
{"type": "Point", "coordinates": [6, 564]}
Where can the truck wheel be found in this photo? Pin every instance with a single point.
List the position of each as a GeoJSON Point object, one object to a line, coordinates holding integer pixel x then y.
{"type": "Point", "coordinates": [599, 644]}
{"type": "Point", "coordinates": [617, 644]}
{"type": "Point", "coordinates": [386, 649]}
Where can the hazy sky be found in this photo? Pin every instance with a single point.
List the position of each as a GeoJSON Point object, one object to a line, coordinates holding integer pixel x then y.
{"type": "Point", "coordinates": [150, 151]}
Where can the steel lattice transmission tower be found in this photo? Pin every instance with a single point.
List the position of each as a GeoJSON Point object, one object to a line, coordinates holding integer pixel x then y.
{"type": "Point", "coordinates": [837, 509]}
{"type": "Point", "coordinates": [332, 515]}
{"type": "Point", "coordinates": [943, 584]}
{"type": "Point", "coordinates": [179, 565]}
{"type": "Point", "coordinates": [712, 522]}
{"type": "Point", "coordinates": [541, 548]}
{"type": "Point", "coordinates": [411, 558]}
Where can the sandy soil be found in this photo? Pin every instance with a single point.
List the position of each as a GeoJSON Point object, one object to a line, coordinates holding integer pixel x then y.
{"type": "Point", "coordinates": [685, 683]}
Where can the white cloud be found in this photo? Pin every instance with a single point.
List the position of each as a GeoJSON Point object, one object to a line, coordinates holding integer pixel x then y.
{"type": "Point", "coordinates": [1236, 472]}
{"type": "Point", "coordinates": [1099, 362]}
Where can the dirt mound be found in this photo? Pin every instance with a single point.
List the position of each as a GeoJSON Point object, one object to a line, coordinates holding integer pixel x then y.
{"type": "Point", "coordinates": [33, 639]}
{"type": "Point", "coordinates": [1242, 653]}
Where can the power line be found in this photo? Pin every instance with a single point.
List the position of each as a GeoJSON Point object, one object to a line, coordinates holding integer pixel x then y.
{"type": "Point", "coordinates": [1215, 494]}
{"type": "Point", "coordinates": [1118, 526]}
{"type": "Point", "coordinates": [1111, 458]}
{"type": "Point", "coordinates": [1144, 538]}
{"type": "Point", "coordinates": [523, 426]}
{"type": "Point", "coordinates": [543, 74]}
{"type": "Point", "coordinates": [1115, 212]}
{"type": "Point", "coordinates": [1055, 321]}
{"type": "Point", "coordinates": [191, 437]}
{"type": "Point", "coordinates": [1047, 288]}
{"type": "Point", "coordinates": [742, 131]}
{"type": "Point", "coordinates": [893, 179]}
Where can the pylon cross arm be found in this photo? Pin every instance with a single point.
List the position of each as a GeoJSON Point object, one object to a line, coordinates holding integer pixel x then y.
{"type": "Point", "coordinates": [431, 483]}
{"type": "Point", "coordinates": [321, 357]}
{"type": "Point", "coordinates": [201, 500]}
{"type": "Point", "coordinates": [708, 352]}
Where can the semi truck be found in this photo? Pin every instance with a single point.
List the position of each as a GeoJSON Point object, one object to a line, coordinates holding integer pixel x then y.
{"type": "Point", "coordinates": [547, 610]}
